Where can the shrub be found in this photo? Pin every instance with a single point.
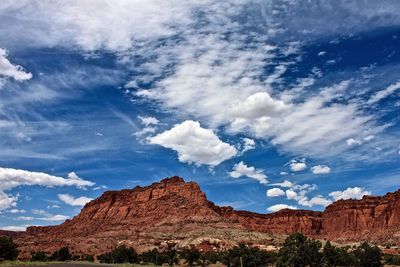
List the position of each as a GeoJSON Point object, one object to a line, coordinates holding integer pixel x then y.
{"type": "Point", "coordinates": [333, 256]}
{"type": "Point", "coordinates": [62, 254]}
{"type": "Point", "coordinates": [392, 260]}
{"type": "Point", "coordinates": [121, 254]}
{"type": "Point", "coordinates": [298, 250]}
{"type": "Point", "coordinates": [39, 256]}
{"type": "Point", "coordinates": [8, 249]}
{"type": "Point", "coordinates": [190, 255]}
{"type": "Point", "coordinates": [89, 258]}
{"type": "Point", "coordinates": [368, 256]}
{"type": "Point", "coordinates": [247, 256]}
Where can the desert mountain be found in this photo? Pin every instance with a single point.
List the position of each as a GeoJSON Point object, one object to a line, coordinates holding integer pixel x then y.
{"type": "Point", "coordinates": [173, 210]}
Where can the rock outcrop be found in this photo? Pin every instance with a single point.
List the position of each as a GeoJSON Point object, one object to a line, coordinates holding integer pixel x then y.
{"type": "Point", "coordinates": [173, 210]}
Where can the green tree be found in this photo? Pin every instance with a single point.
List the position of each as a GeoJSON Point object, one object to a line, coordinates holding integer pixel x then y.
{"type": "Point", "coordinates": [125, 254]}
{"type": "Point", "coordinates": [62, 254]}
{"type": "Point", "coordinates": [334, 256]}
{"type": "Point", "coordinates": [89, 258]}
{"type": "Point", "coordinates": [39, 256]}
{"type": "Point", "coordinates": [299, 251]}
{"type": "Point", "coordinates": [368, 256]}
{"type": "Point", "coordinates": [392, 260]}
{"type": "Point", "coordinates": [190, 255]}
{"type": "Point", "coordinates": [8, 249]}
{"type": "Point", "coordinates": [121, 254]}
{"type": "Point", "coordinates": [246, 256]}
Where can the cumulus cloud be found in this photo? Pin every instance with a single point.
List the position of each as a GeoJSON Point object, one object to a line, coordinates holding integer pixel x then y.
{"type": "Point", "coordinates": [240, 169]}
{"type": "Point", "coordinates": [195, 144]}
{"type": "Point", "coordinates": [248, 144]}
{"type": "Point", "coordinates": [351, 192]}
{"type": "Point", "coordinates": [320, 169]}
{"type": "Point", "coordinates": [7, 69]}
{"type": "Point", "coordinates": [72, 201]}
{"type": "Point", "coordinates": [352, 141]}
{"type": "Point", "coordinates": [296, 166]}
{"type": "Point", "coordinates": [275, 192]}
{"type": "Point", "coordinates": [230, 71]}
{"type": "Point", "coordinates": [11, 178]}
{"type": "Point", "coordinates": [279, 207]}
{"type": "Point", "coordinates": [148, 120]}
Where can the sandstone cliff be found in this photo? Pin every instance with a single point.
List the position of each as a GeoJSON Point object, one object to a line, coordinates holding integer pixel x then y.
{"type": "Point", "coordinates": [178, 211]}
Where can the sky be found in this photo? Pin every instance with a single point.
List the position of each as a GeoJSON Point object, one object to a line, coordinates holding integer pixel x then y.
{"type": "Point", "coordinates": [266, 104]}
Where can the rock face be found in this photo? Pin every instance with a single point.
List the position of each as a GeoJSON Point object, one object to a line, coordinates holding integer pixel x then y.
{"type": "Point", "coordinates": [371, 218]}
{"type": "Point", "coordinates": [175, 211]}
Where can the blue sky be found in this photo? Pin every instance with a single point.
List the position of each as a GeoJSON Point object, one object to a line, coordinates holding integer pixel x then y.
{"type": "Point", "coordinates": [266, 104]}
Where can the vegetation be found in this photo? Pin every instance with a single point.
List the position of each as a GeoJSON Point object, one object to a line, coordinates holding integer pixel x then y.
{"type": "Point", "coordinates": [368, 256]}
{"type": "Point", "coordinates": [8, 249]}
{"type": "Point", "coordinates": [392, 260]}
{"type": "Point", "coordinates": [121, 254]}
{"type": "Point", "coordinates": [62, 254]}
{"type": "Point", "coordinates": [246, 256]}
{"type": "Point", "coordinates": [297, 251]}
{"type": "Point", "coordinates": [39, 256]}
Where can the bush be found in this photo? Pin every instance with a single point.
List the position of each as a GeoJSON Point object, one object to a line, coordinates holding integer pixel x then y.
{"type": "Point", "coordinates": [8, 249]}
{"type": "Point", "coordinates": [121, 254]}
{"type": "Point", "coordinates": [368, 256]}
{"type": "Point", "coordinates": [153, 257]}
{"type": "Point", "coordinates": [62, 254]}
{"type": "Point", "coordinates": [190, 255]}
{"type": "Point", "coordinates": [89, 258]}
{"type": "Point", "coordinates": [392, 260]}
{"type": "Point", "coordinates": [298, 250]}
{"type": "Point", "coordinates": [333, 256]}
{"type": "Point", "coordinates": [247, 256]}
{"type": "Point", "coordinates": [39, 256]}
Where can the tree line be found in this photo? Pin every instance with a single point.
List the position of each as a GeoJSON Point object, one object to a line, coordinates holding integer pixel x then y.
{"type": "Point", "coordinates": [296, 251]}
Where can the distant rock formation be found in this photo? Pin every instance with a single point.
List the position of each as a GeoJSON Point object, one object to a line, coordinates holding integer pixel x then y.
{"type": "Point", "coordinates": [173, 210]}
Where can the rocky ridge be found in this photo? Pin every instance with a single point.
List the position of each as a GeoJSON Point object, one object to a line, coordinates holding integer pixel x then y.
{"type": "Point", "coordinates": [173, 210]}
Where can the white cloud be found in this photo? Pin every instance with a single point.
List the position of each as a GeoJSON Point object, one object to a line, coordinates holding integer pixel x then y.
{"type": "Point", "coordinates": [7, 201]}
{"type": "Point", "coordinates": [285, 183]}
{"type": "Point", "coordinates": [13, 228]}
{"type": "Point", "coordinates": [321, 169]}
{"type": "Point", "coordinates": [148, 120]}
{"type": "Point", "coordinates": [384, 93]}
{"type": "Point", "coordinates": [54, 218]}
{"type": "Point", "coordinates": [7, 69]}
{"type": "Point", "coordinates": [351, 192]}
{"type": "Point", "coordinates": [213, 79]}
{"type": "Point", "coordinates": [291, 194]}
{"type": "Point", "coordinates": [240, 169]}
{"type": "Point", "coordinates": [352, 141]}
{"type": "Point", "coordinates": [16, 211]}
{"type": "Point", "coordinates": [12, 178]}
{"type": "Point", "coordinates": [195, 144]}
{"type": "Point", "coordinates": [275, 192]}
{"type": "Point", "coordinates": [296, 166]}
{"type": "Point", "coordinates": [70, 200]}
{"type": "Point", "coordinates": [248, 144]}
{"type": "Point", "coordinates": [279, 207]}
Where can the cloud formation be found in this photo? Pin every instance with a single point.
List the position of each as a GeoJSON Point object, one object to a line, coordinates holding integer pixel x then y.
{"type": "Point", "coordinates": [351, 192]}
{"type": "Point", "coordinates": [72, 201]}
{"type": "Point", "coordinates": [320, 169]}
{"type": "Point", "coordinates": [7, 69]}
{"type": "Point", "coordinates": [240, 169]}
{"type": "Point", "coordinates": [279, 207]}
{"type": "Point", "coordinates": [12, 178]}
{"type": "Point", "coordinates": [195, 144]}
{"type": "Point", "coordinates": [275, 192]}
